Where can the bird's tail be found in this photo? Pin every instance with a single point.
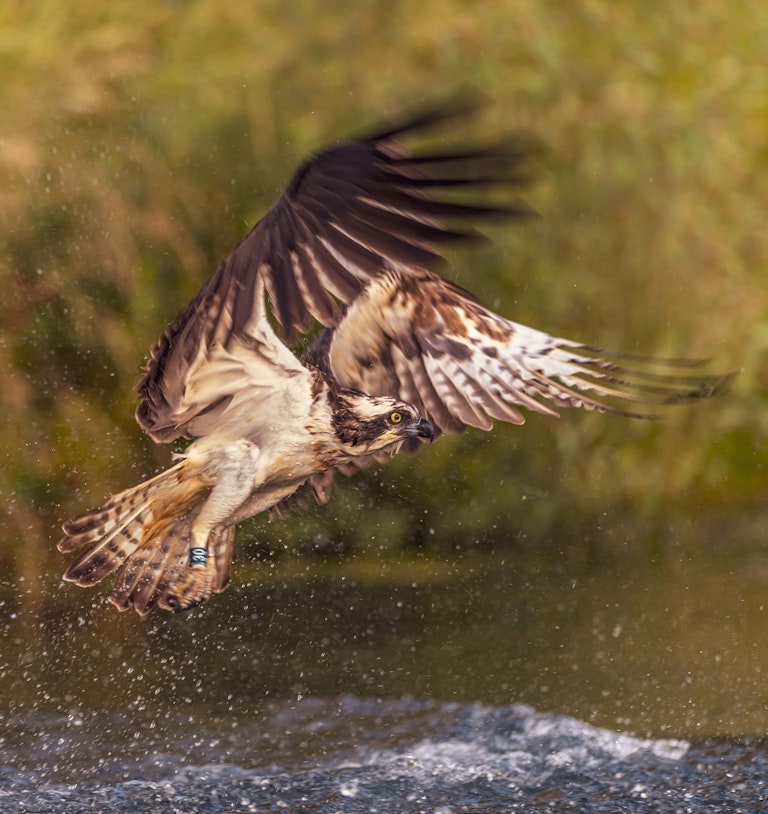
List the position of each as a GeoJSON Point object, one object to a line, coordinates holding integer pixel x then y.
{"type": "Point", "coordinates": [145, 532]}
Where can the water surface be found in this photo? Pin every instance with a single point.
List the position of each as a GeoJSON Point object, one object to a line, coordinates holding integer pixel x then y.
{"type": "Point", "coordinates": [434, 686]}
{"type": "Point", "coordinates": [351, 755]}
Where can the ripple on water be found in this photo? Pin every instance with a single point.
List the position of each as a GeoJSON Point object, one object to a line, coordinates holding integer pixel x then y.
{"type": "Point", "coordinates": [349, 754]}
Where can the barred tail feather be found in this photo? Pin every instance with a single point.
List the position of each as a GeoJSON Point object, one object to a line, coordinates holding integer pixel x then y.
{"type": "Point", "coordinates": [113, 531]}
{"type": "Point", "coordinates": [96, 525]}
{"type": "Point", "coordinates": [135, 581]}
{"type": "Point", "coordinates": [145, 577]}
{"type": "Point", "coordinates": [106, 556]}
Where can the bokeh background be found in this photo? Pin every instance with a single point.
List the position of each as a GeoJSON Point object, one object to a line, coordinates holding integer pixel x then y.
{"type": "Point", "coordinates": [140, 140]}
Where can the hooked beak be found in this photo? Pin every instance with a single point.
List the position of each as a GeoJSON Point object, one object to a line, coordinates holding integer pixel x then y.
{"type": "Point", "coordinates": [423, 428]}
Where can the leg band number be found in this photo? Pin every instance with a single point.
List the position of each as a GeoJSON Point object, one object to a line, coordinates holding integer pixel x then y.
{"type": "Point", "coordinates": [198, 556]}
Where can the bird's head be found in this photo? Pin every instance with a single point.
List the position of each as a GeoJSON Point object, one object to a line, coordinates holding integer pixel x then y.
{"type": "Point", "coordinates": [365, 424]}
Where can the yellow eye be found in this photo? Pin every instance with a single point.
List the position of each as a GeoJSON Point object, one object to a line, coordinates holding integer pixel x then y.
{"type": "Point", "coordinates": [395, 417]}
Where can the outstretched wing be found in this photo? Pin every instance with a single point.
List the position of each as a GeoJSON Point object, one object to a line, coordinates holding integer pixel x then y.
{"type": "Point", "coordinates": [203, 378]}
{"type": "Point", "coordinates": [431, 343]}
{"type": "Point", "coordinates": [348, 213]}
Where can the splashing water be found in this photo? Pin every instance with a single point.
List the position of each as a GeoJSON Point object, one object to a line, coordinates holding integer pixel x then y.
{"type": "Point", "coordinates": [350, 754]}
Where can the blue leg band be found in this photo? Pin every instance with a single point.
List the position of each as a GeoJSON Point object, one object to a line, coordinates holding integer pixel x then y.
{"type": "Point", "coordinates": [198, 556]}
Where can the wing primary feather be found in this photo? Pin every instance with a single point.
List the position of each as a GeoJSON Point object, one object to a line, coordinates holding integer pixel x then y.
{"type": "Point", "coordinates": [145, 594]}
{"type": "Point", "coordinates": [511, 397]}
{"type": "Point", "coordinates": [411, 229]}
{"type": "Point", "coordinates": [636, 394]}
{"type": "Point", "coordinates": [575, 396]}
{"type": "Point", "coordinates": [455, 400]}
{"type": "Point", "coordinates": [397, 198]}
{"type": "Point", "coordinates": [670, 361]}
{"type": "Point", "coordinates": [635, 384]}
{"type": "Point", "coordinates": [364, 262]}
{"type": "Point", "coordinates": [458, 105]}
{"type": "Point", "coordinates": [385, 244]}
{"type": "Point", "coordinates": [618, 374]}
{"type": "Point", "coordinates": [311, 286]}
{"type": "Point", "coordinates": [284, 292]}
{"type": "Point", "coordinates": [243, 294]}
{"type": "Point", "coordinates": [368, 239]}
{"type": "Point", "coordinates": [336, 278]}
{"type": "Point", "coordinates": [412, 368]}
{"type": "Point", "coordinates": [334, 275]}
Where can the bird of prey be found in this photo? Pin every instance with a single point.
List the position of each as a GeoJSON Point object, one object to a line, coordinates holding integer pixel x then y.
{"type": "Point", "coordinates": [401, 356]}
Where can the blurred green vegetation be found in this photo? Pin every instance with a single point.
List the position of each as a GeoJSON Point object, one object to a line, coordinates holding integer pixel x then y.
{"type": "Point", "coordinates": [139, 141]}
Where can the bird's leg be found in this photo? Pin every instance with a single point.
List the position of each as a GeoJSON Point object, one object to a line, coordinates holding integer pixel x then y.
{"type": "Point", "coordinates": [235, 468]}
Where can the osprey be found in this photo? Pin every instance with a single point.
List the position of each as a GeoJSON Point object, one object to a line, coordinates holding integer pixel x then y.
{"type": "Point", "coordinates": [402, 356]}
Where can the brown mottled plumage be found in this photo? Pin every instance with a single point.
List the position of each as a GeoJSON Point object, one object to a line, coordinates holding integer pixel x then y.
{"type": "Point", "coordinates": [403, 356]}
